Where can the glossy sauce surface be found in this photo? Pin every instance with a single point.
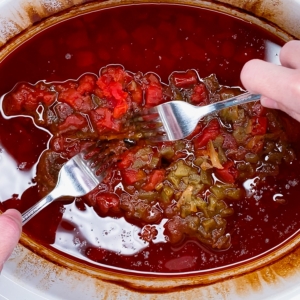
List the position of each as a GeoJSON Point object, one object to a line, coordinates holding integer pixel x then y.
{"type": "Point", "coordinates": [181, 38]}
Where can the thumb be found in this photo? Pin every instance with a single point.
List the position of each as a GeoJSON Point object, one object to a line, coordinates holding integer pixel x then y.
{"type": "Point", "coordinates": [10, 231]}
{"type": "Point", "coordinates": [279, 85]}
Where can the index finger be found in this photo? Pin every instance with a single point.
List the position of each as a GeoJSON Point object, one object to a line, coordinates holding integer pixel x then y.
{"type": "Point", "coordinates": [276, 82]}
{"type": "Point", "coordinates": [290, 54]}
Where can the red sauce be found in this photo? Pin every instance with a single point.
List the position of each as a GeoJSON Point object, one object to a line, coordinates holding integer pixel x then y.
{"type": "Point", "coordinates": [181, 38]}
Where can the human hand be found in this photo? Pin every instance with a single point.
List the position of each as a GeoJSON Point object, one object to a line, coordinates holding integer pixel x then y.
{"type": "Point", "coordinates": [279, 85]}
{"type": "Point", "coordinates": [10, 231]}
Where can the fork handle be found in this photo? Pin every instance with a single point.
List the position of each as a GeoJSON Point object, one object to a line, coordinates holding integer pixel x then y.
{"type": "Point", "coordinates": [237, 100]}
{"type": "Point", "coordinates": [32, 211]}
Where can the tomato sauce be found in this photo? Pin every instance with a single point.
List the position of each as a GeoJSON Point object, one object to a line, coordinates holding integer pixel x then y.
{"type": "Point", "coordinates": [181, 38]}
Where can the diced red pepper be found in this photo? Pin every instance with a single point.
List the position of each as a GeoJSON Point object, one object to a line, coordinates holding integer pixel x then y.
{"type": "Point", "coordinates": [228, 174]}
{"type": "Point", "coordinates": [156, 177]}
{"type": "Point", "coordinates": [199, 95]}
{"type": "Point", "coordinates": [258, 125]}
{"type": "Point", "coordinates": [130, 176]}
{"type": "Point", "coordinates": [210, 132]}
{"type": "Point", "coordinates": [108, 201]}
{"type": "Point", "coordinates": [184, 79]}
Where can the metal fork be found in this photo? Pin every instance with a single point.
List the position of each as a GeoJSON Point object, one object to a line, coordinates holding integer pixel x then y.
{"type": "Point", "coordinates": [178, 119]}
{"type": "Point", "coordinates": [76, 178]}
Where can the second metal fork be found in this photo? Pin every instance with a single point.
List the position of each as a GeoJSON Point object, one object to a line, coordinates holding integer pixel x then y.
{"type": "Point", "coordinates": [179, 118]}
{"type": "Point", "coordinates": [80, 175]}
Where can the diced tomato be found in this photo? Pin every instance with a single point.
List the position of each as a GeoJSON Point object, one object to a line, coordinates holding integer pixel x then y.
{"type": "Point", "coordinates": [37, 97]}
{"type": "Point", "coordinates": [31, 102]}
{"type": "Point", "coordinates": [76, 100]}
{"type": "Point", "coordinates": [117, 74]}
{"type": "Point", "coordinates": [149, 233]}
{"type": "Point", "coordinates": [29, 98]}
{"type": "Point", "coordinates": [258, 110]}
{"type": "Point", "coordinates": [57, 143]}
{"type": "Point", "coordinates": [256, 143]}
{"type": "Point", "coordinates": [154, 94]}
{"type": "Point", "coordinates": [184, 79]}
{"type": "Point", "coordinates": [126, 160]}
{"type": "Point", "coordinates": [229, 141]}
{"type": "Point", "coordinates": [18, 98]}
{"type": "Point", "coordinates": [228, 174]}
{"type": "Point", "coordinates": [48, 98]}
{"type": "Point", "coordinates": [178, 155]}
{"type": "Point", "coordinates": [111, 89]}
{"type": "Point", "coordinates": [108, 201]}
{"type": "Point", "coordinates": [87, 83]}
{"type": "Point", "coordinates": [155, 178]}
{"type": "Point", "coordinates": [195, 132]}
{"type": "Point", "coordinates": [73, 122]}
{"type": "Point", "coordinates": [258, 125]}
{"type": "Point", "coordinates": [63, 110]}
{"type": "Point", "coordinates": [210, 132]}
{"type": "Point", "coordinates": [199, 95]}
{"type": "Point", "coordinates": [120, 109]}
{"type": "Point", "coordinates": [130, 176]}
{"type": "Point", "coordinates": [135, 91]}
{"type": "Point", "coordinates": [117, 92]}
{"type": "Point", "coordinates": [174, 229]}
{"type": "Point", "coordinates": [103, 119]}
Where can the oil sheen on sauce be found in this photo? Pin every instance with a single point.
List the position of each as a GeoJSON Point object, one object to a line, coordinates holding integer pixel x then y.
{"type": "Point", "coordinates": [181, 38]}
